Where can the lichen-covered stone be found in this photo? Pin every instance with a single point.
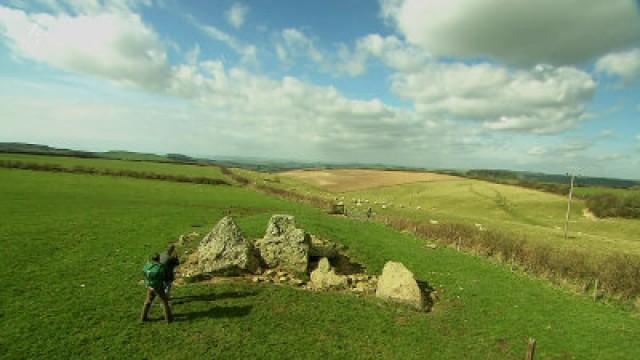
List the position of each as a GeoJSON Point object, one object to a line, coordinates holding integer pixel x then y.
{"type": "Point", "coordinates": [284, 246]}
{"type": "Point", "coordinates": [397, 284]}
{"type": "Point", "coordinates": [324, 277]}
{"type": "Point", "coordinates": [225, 251]}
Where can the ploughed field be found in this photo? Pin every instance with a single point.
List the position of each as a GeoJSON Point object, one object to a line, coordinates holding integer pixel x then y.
{"type": "Point", "coordinates": [344, 180]}
{"type": "Point", "coordinates": [74, 245]}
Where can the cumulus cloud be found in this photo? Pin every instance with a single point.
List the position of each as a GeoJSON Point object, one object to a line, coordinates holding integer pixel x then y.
{"type": "Point", "coordinates": [393, 52]}
{"type": "Point", "coordinates": [247, 52]}
{"type": "Point", "coordinates": [542, 100]}
{"type": "Point", "coordinates": [518, 32]}
{"type": "Point", "coordinates": [566, 150]}
{"type": "Point", "coordinates": [116, 45]}
{"type": "Point", "coordinates": [237, 14]}
{"type": "Point", "coordinates": [292, 43]}
{"type": "Point", "coordinates": [625, 65]}
{"type": "Point", "coordinates": [288, 116]}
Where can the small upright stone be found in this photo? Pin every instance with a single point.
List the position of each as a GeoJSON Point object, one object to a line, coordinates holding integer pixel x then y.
{"type": "Point", "coordinates": [324, 277]}
{"type": "Point", "coordinates": [398, 284]}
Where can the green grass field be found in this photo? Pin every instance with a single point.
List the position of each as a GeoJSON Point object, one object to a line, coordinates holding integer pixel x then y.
{"type": "Point", "coordinates": [74, 245]}
{"type": "Point", "coordinates": [108, 164]}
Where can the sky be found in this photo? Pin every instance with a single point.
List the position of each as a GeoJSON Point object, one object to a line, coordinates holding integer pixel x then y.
{"type": "Point", "coordinates": [545, 85]}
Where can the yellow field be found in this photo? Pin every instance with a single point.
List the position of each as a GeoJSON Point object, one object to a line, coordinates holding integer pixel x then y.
{"type": "Point", "coordinates": [342, 180]}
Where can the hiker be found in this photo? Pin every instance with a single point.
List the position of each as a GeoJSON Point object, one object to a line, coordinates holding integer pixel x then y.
{"type": "Point", "coordinates": [154, 279]}
{"type": "Point", "coordinates": [170, 261]}
{"type": "Point", "coordinates": [369, 213]}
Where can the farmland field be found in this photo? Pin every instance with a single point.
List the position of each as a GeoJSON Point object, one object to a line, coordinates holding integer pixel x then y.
{"type": "Point", "coordinates": [343, 180]}
{"type": "Point", "coordinates": [74, 245]}
{"type": "Point", "coordinates": [508, 208]}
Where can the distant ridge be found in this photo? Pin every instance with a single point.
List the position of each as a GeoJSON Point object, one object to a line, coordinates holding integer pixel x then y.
{"type": "Point", "coordinates": [266, 165]}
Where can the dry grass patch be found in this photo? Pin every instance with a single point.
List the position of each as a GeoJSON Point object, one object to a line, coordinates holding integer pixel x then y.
{"type": "Point", "coordinates": [343, 180]}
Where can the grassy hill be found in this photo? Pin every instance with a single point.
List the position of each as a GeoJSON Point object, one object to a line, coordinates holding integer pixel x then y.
{"type": "Point", "coordinates": [208, 171]}
{"type": "Point", "coordinates": [74, 245]}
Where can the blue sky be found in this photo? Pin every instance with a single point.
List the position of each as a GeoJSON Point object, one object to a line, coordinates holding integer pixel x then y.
{"type": "Point", "coordinates": [549, 85]}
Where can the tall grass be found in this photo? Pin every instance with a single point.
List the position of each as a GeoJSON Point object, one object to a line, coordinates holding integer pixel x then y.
{"type": "Point", "coordinates": [617, 273]}
{"type": "Point", "coordinates": [613, 205]}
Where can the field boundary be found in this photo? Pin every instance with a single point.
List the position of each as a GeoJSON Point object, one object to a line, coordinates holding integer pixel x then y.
{"type": "Point", "coordinates": [11, 164]}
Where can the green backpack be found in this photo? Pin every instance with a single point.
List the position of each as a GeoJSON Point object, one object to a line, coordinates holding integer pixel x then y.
{"type": "Point", "coordinates": [154, 275]}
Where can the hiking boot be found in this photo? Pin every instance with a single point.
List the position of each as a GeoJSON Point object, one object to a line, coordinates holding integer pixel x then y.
{"type": "Point", "coordinates": [145, 313]}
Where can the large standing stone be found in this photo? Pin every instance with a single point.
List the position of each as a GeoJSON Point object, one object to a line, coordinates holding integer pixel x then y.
{"type": "Point", "coordinates": [284, 246]}
{"type": "Point", "coordinates": [324, 277]}
{"type": "Point", "coordinates": [398, 284]}
{"type": "Point", "coordinates": [225, 251]}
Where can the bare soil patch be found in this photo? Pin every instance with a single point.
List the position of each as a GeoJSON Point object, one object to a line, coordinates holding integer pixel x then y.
{"type": "Point", "coordinates": [343, 180]}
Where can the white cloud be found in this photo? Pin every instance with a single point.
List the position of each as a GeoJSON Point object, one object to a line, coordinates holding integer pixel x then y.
{"type": "Point", "coordinates": [542, 100]}
{"type": "Point", "coordinates": [240, 112]}
{"type": "Point", "coordinates": [247, 52]}
{"type": "Point", "coordinates": [518, 32]}
{"type": "Point", "coordinates": [538, 150]}
{"type": "Point", "coordinates": [625, 65]}
{"type": "Point", "coordinates": [115, 45]}
{"type": "Point", "coordinates": [82, 7]}
{"type": "Point", "coordinates": [292, 43]}
{"type": "Point", "coordinates": [392, 51]}
{"type": "Point", "coordinates": [237, 14]}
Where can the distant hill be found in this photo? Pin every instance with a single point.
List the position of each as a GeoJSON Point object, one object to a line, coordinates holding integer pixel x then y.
{"type": "Point", "coordinates": [37, 149]}
{"type": "Point", "coordinates": [129, 155]}
{"type": "Point", "coordinates": [265, 165]}
{"type": "Point", "coordinates": [23, 148]}
{"type": "Point", "coordinates": [508, 175]}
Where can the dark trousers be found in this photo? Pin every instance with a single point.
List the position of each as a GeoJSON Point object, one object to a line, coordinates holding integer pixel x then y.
{"type": "Point", "coordinates": [151, 295]}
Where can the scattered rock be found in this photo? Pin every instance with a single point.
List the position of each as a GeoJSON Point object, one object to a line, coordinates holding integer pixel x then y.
{"type": "Point", "coordinates": [284, 246]}
{"type": "Point", "coordinates": [225, 251]}
{"type": "Point", "coordinates": [398, 284]}
{"type": "Point", "coordinates": [324, 277]}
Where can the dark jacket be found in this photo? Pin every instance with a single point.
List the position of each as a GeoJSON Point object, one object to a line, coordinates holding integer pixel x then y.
{"type": "Point", "coordinates": [170, 263]}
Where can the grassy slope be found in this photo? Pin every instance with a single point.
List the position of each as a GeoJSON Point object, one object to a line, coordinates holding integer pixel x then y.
{"type": "Point", "coordinates": [60, 231]}
{"type": "Point", "coordinates": [141, 166]}
{"type": "Point", "coordinates": [537, 214]}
